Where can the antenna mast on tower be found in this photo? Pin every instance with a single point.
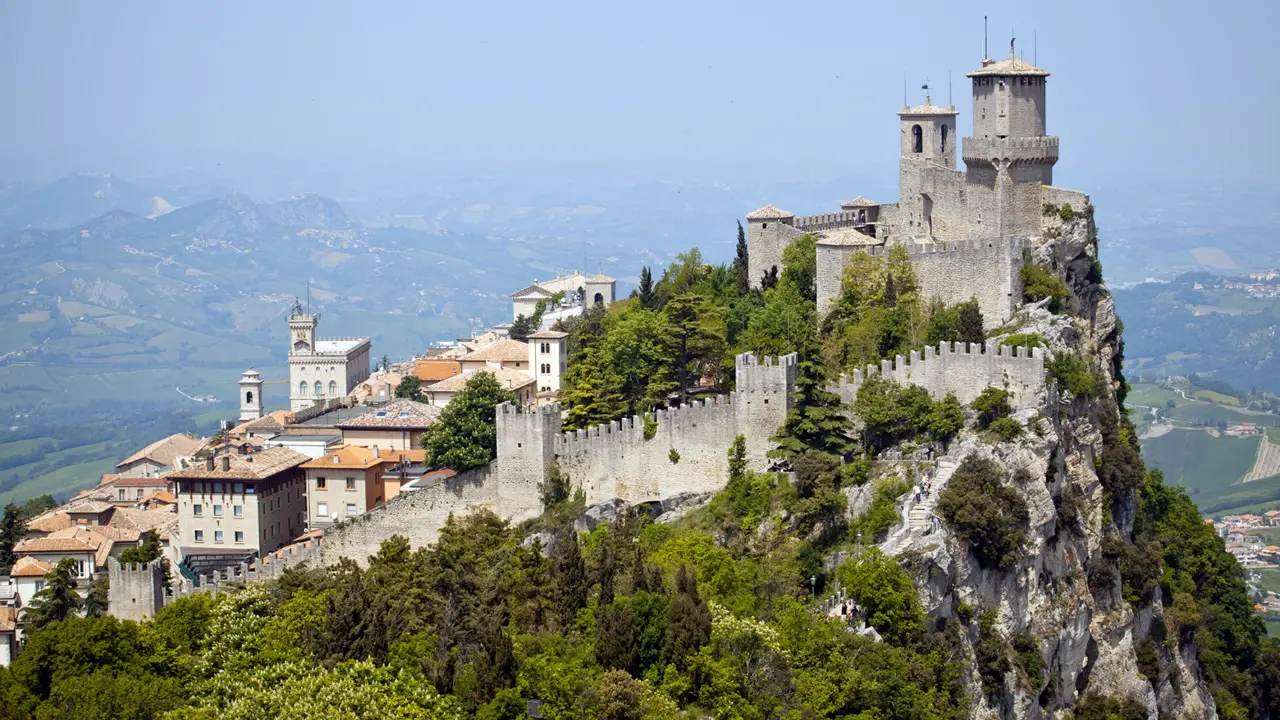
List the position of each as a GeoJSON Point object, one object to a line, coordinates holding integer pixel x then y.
{"type": "Point", "coordinates": [985, 54]}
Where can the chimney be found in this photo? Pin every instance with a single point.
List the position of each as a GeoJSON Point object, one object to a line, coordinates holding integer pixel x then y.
{"type": "Point", "coordinates": [208, 463]}
{"type": "Point", "coordinates": [226, 463]}
{"type": "Point", "coordinates": [375, 452]}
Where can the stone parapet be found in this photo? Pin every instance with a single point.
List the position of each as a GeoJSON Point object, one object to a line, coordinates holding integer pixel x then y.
{"type": "Point", "coordinates": [829, 221]}
{"type": "Point", "coordinates": [1013, 150]}
{"type": "Point", "coordinates": [961, 368]}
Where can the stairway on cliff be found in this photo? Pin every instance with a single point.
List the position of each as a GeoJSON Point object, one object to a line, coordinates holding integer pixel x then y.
{"type": "Point", "coordinates": [918, 518]}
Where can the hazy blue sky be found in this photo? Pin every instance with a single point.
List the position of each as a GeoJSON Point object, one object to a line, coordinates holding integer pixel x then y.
{"type": "Point", "coordinates": [664, 90]}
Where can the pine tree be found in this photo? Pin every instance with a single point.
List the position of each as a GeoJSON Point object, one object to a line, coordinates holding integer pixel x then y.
{"type": "Point", "coordinates": [592, 390]}
{"type": "Point", "coordinates": [688, 621]}
{"type": "Point", "coordinates": [11, 532]}
{"type": "Point", "coordinates": [816, 420]}
{"type": "Point", "coordinates": [970, 322]}
{"type": "Point", "coordinates": [696, 339]}
{"type": "Point", "coordinates": [521, 328]}
{"type": "Point", "coordinates": [648, 298]}
{"type": "Point", "coordinates": [570, 574]}
{"type": "Point", "coordinates": [890, 292]}
{"type": "Point", "coordinates": [741, 268]}
{"type": "Point", "coordinates": [58, 600]}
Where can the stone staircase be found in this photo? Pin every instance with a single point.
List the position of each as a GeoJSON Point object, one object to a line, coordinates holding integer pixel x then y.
{"type": "Point", "coordinates": [920, 515]}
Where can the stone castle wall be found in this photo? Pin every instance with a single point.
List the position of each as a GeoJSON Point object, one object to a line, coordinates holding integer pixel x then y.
{"type": "Point", "coordinates": [136, 592]}
{"type": "Point", "coordinates": [988, 269]}
{"type": "Point", "coordinates": [766, 240]}
{"type": "Point", "coordinates": [963, 369]}
{"type": "Point", "coordinates": [607, 461]}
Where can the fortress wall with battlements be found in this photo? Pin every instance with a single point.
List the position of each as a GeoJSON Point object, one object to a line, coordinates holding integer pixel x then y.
{"type": "Point", "coordinates": [963, 369]}
{"type": "Point", "coordinates": [134, 592]}
{"type": "Point", "coordinates": [614, 460]}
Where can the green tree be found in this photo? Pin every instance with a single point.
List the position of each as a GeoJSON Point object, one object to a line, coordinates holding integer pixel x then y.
{"type": "Point", "coordinates": [884, 592]}
{"type": "Point", "coordinates": [695, 340]}
{"type": "Point", "coordinates": [688, 620]}
{"type": "Point", "coordinates": [95, 603]}
{"type": "Point", "coordinates": [639, 356]}
{"type": "Point", "coordinates": [769, 279]}
{"type": "Point", "coordinates": [465, 435]}
{"type": "Point", "coordinates": [570, 575]}
{"type": "Point", "coordinates": [58, 600]}
{"type": "Point", "coordinates": [991, 405]}
{"type": "Point", "coordinates": [592, 390]}
{"type": "Point", "coordinates": [992, 517]}
{"type": "Point", "coordinates": [946, 419]}
{"type": "Point", "coordinates": [816, 420]}
{"type": "Point", "coordinates": [1039, 282]}
{"type": "Point", "coordinates": [970, 322]}
{"type": "Point", "coordinates": [741, 265]}
{"type": "Point", "coordinates": [784, 325]}
{"type": "Point", "coordinates": [409, 388]}
{"type": "Point", "coordinates": [12, 528]}
{"type": "Point", "coordinates": [800, 266]}
{"type": "Point", "coordinates": [648, 298]}
{"type": "Point", "coordinates": [521, 328]}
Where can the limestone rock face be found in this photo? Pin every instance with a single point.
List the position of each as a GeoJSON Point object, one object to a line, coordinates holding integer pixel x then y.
{"type": "Point", "coordinates": [1062, 588]}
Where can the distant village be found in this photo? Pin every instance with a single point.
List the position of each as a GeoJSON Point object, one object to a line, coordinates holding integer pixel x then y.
{"type": "Point", "coordinates": [1261, 284]}
{"type": "Point", "coordinates": [1246, 541]}
{"type": "Point", "coordinates": [275, 479]}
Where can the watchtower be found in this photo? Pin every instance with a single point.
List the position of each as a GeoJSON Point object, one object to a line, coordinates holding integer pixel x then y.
{"type": "Point", "coordinates": [1009, 153]}
{"type": "Point", "coordinates": [250, 395]}
{"type": "Point", "coordinates": [928, 145]}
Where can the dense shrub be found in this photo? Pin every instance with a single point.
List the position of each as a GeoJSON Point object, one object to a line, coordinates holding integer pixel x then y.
{"type": "Point", "coordinates": [1006, 428]}
{"type": "Point", "coordinates": [1039, 282]}
{"type": "Point", "coordinates": [1107, 707]}
{"type": "Point", "coordinates": [1071, 373]}
{"type": "Point", "coordinates": [990, 516]}
{"type": "Point", "coordinates": [990, 653]}
{"type": "Point", "coordinates": [1026, 340]}
{"type": "Point", "coordinates": [1029, 657]}
{"type": "Point", "coordinates": [991, 405]}
{"type": "Point", "coordinates": [883, 590]}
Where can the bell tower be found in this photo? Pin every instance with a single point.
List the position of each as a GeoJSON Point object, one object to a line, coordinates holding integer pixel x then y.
{"type": "Point", "coordinates": [302, 330]}
{"type": "Point", "coordinates": [250, 395]}
{"type": "Point", "coordinates": [928, 146]}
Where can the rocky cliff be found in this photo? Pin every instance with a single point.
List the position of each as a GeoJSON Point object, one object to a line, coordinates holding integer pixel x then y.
{"type": "Point", "coordinates": [1061, 597]}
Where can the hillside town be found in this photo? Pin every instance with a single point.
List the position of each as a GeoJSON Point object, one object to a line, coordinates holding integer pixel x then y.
{"type": "Point", "coordinates": [350, 442]}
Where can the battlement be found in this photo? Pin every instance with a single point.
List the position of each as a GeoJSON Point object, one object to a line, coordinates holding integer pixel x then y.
{"type": "Point", "coordinates": [135, 592]}
{"type": "Point", "coordinates": [980, 247]}
{"type": "Point", "coordinates": [829, 221]}
{"type": "Point", "coordinates": [961, 368]}
{"type": "Point", "coordinates": [986, 150]}
{"type": "Point", "coordinates": [267, 567]}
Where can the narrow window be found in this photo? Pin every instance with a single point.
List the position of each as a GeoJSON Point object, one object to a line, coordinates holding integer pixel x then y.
{"type": "Point", "coordinates": [217, 536]}
{"type": "Point", "coordinates": [917, 139]}
{"type": "Point", "coordinates": [197, 510]}
{"type": "Point", "coordinates": [248, 398]}
{"type": "Point", "coordinates": [199, 536]}
{"type": "Point", "coordinates": [239, 536]}
{"type": "Point", "coordinates": [333, 388]}
{"type": "Point", "coordinates": [319, 390]}
{"type": "Point", "coordinates": [302, 388]}
{"type": "Point", "coordinates": [351, 483]}
{"type": "Point", "coordinates": [944, 138]}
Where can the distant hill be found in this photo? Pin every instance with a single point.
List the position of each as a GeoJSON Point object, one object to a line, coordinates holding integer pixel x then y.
{"type": "Point", "coordinates": [120, 319]}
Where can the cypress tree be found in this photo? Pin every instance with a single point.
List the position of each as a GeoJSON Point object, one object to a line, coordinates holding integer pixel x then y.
{"type": "Point", "coordinates": [648, 298]}
{"type": "Point", "coordinates": [688, 621]}
{"type": "Point", "coordinates": [11, 532]}
{"type": "Point", "coordinates": [740, 265]}
{"type": "Point", "coordinates": [970, 322]}
{"type": "Point", "coordinates": [890, 292]}
{"type": "Point", "coordinates": [570, 576]}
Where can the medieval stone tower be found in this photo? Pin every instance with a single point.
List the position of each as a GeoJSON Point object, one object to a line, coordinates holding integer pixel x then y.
{"type": "Point", "coordinates": [965, 229]}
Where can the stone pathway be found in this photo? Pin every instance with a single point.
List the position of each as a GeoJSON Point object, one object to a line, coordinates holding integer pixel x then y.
{"type": "Point", "coordinates": [918, 518]}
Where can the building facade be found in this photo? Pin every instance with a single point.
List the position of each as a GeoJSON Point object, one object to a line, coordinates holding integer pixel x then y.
{"type": "Point", "coordinates": [321, 369]}
{"type": "Point", "coordinates": [241, 504]}
{"type": "Point", "coordinates": [344, 483]}
{"type": "Point", "coordinates": [548, 359]}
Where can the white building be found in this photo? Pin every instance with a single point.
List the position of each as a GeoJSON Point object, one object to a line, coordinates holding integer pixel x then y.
{"type": "Point", "coordinates": [596, 290]}
{"type": "Point", "coordinates": [322, 369]}
{"type": "Point", "coordinates": [548, 359]}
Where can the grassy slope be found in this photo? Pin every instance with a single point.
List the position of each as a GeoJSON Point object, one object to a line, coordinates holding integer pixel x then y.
{"type": "Point", "coordinates": [1199, 461]}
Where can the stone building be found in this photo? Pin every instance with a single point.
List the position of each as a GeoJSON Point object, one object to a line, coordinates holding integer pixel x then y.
{"type": "Point", "coordinates": [398, 425]}
{"type": "Point", "coordinates": [322, 369]}
{"type": "Point", "coordinates": [579, 290]}
{"type": "Point", "coordinates": [235, 506]}
{"type": "Point", "coordinates": [965, 229]}
{"type": "Point", "coordinates": [159, 457]}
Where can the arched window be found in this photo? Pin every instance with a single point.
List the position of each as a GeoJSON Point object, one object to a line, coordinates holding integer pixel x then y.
{"type": "Point", "coordinates": [917, 139]}
{"type": "Point", "coordinates": [248, 398]}
{"type": "Point", "coordinates": [333, 387]}
{"type": "Point", "coordinates": [302, 388]}
{"type": "Point", "coordinates": [319, 390]}
{"type": "Point", "coordinates": [944, 138]}
{"type": "Point", "coordinates": [599, 299]}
